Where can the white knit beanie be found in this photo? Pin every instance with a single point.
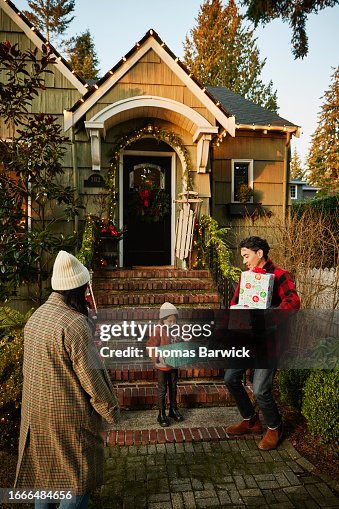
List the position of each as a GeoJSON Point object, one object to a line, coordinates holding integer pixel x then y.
{"type": "Point", "coordinates": [68, 272]}
{"type": "Point", "coordinates": [167, 309]}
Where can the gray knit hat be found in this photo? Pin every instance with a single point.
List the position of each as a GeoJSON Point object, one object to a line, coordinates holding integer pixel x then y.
{"type": "Point", "coordinates": [167, 309]}
{"type": "Point", "coordinates": [68, 272]}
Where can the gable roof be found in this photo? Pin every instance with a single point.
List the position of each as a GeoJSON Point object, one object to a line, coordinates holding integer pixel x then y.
{"type": "Point", "coordinates": [151, 40]}
{"type": "Point", "coordinates": [248, 113]}
{"type": "Point", "coordinates": [39, 40]}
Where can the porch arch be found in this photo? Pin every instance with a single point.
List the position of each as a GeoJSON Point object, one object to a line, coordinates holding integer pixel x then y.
{"type": "Point", "coordinates": [148, 107]}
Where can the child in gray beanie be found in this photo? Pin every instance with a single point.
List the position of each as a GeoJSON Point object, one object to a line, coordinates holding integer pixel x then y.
{"type": "Point", "coordinates": [167, 376]}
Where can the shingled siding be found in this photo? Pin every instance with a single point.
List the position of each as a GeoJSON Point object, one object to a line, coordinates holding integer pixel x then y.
{"type": "Point", "coordinates": [267, 152]}
{"type": "Point", "coordinates": [60, 94]}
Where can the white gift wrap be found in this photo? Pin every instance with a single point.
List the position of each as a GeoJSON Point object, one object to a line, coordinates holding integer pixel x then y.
{"type": "Point", "coordinates": [256, 290]}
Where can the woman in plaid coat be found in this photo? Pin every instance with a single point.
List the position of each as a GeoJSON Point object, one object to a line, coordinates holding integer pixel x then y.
{"type": "Point", "coordinates": [66, 393]}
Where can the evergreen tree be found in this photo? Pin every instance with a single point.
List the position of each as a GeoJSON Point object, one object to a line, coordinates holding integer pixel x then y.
{"type": "Point", "coordinates": [323, 158]}
{"type": "Point", "coordinates": [221, 51]}
{"type": "Point", "coordinates": [50, 16]}
{"type": "Point", "coordinates": [293, 11]}
{"type": "Point", "coordinates": [297, 172]}
{"type": "Point", "coordinates": [82, 55]}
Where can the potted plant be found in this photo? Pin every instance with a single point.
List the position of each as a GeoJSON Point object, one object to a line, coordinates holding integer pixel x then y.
{"type": "Point", "coordinates": [110, 236]}
{"type": "Point", "coordinates": [244, 193]}
{"type": "Point", "coordinates": [244, 207]}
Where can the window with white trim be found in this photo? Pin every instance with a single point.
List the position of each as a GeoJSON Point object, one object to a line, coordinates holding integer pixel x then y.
{"type": "Point", "coordinates": [241, 173]}
{"type": "Point", "coordinates": [293, 191]}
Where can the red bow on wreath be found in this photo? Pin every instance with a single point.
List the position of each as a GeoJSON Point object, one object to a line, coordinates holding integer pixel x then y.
{"type": "Point", "coordinates": [145, 195]}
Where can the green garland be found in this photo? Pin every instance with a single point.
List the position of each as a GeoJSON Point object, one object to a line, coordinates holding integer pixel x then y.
{"type": "Point", "coordinates": [216, 236]}
{"type": "Point", "coordinates": [86, 253]}
{"type": "Point", "coordinates": [160, 135]}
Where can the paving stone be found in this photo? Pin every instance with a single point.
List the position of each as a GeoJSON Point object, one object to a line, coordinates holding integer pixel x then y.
{"type": "Point", "coordinates": [250, 492]}
{"type": "Point", "coordinates": [324, 489]}
{"type": "Point", "coordinates": [239, 482]}
{"type": "Point", "coordinates": [159, 505]}
{"type": "Point", "coordinates": [296, 493]}
{"type": "Point", "coordinates": [177, 501]}
{"type": "Point", "coordinates": [282, 480]}
{"type": "Point", "coordinates": [256, 502]}
{"type": "Point", "coordinates": [223, 497]}
{"type": "Point", "coordinates": [250, 481]}
{"type": "Point", "coordinates": [180, 485]}
{"type": "Point", "coordinates": [179, 448]}
{"type": "Point", "coordinates": [268, 485]}
{"type": "Point", "coordinates": [264, 477]}
{"type": "Point", "coordinates": [189, 500]}
{"type": "Point", "coordinates": [294, 480]}
{"type": "Point", "coordinates": [269, 496]}
{"type": "Point", "coordinates": [207, 502]}
{"type": "Point", "coordinates": [306, 465]}
{"type": "Point", "coordinates": [282, 505]}
{"type": "Point", "coordinates": [160, 497]}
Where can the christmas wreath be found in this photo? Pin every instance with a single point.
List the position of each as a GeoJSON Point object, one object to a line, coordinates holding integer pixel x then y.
{"type": "Point", "coordinates": [150, 203]}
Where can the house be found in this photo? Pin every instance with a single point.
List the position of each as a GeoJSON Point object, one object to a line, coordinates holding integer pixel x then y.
{"type": "Point", "coordinates": [149, 122]}
{"type": "Point", "coordinates": [302, 190]}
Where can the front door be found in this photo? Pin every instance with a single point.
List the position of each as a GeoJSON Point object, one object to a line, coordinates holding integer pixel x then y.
{"type": "Point", "coordinates": [148, 237]}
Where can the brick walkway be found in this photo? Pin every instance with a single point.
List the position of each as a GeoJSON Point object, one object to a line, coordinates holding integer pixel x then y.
{"type": "Point", "coordinates": [212, 474]}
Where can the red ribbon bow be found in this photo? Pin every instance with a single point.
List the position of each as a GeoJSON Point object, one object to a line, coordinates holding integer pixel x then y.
{"type": "Point", "coordinates": [259, 270]}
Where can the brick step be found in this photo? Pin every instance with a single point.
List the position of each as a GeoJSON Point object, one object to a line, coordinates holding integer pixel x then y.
{"type": "Point", "coordinates": [150, 273]}
{"type": "Point", "coordinates": [145, 395]}
{"type": "Point", "coordinates": [142, 372]}
{"type": "Point", "coordinates": [201, 424]}
{"type": "Point", "coordinates": [109, 299]}
{"type": "Point", "coordinates": [154, 285]}
{"type": "Point", "coordinates": [168, 435]}
{"type": "Point", "coordinates": [143, 314]}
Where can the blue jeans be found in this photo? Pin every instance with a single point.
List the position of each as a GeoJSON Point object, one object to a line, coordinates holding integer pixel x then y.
{"type": "Point", "coordinates": [262, 389]}
{"type": "Point", "coordinates": [77, 502]}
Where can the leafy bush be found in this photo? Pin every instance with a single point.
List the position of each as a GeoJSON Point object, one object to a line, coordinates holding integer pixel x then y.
{"type": "Point", "coordinates": [320, 405]}
{"type": "Point", "coordinates": [11, 359]}
{"type": "Point", "coordinates": [291, 383]}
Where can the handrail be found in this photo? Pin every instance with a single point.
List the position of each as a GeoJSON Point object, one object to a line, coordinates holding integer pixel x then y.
{"type": "Point", "coordinates": [225, 285]}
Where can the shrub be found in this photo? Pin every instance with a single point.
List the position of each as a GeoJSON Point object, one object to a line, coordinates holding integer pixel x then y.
{"type": "Point", "coordinates": [320, 405]}
{"type": "Point", "coordinates": [11, 359]}
{"type": "Point", "coordinates": [291, 383]}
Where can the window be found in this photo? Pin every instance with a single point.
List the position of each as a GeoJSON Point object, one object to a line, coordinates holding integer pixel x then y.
{"type": "Point", "coordinates": [146, 174]}
{"type": "Point", "coordinates": [293, 192]}
{"type": "Point", "coordinates": [242, 173]}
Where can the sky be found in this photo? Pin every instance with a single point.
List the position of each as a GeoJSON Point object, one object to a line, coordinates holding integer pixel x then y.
{"type": "Point", "coordinates": [117, 25]}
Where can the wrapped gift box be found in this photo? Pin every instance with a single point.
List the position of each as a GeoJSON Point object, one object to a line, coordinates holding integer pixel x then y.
{"type": "Point", "coordinates": [176, 359]}
{"type": "Point", "coordinates": [256, 290]}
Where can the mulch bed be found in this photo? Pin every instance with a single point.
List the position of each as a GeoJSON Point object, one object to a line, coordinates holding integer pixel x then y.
{"type": "Point", "coordinates": [323, 456]}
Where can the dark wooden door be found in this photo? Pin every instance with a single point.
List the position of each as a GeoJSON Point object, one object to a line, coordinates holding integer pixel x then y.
{"type": "Point", "coordinates": [146, 242]}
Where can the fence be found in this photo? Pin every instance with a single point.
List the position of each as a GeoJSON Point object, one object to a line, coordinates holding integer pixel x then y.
{"type": "Point", "coordinates": [319, 288]}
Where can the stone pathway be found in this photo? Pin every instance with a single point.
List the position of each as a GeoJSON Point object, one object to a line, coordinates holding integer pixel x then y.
{"type": "Point", "coordinates": [210, 473]}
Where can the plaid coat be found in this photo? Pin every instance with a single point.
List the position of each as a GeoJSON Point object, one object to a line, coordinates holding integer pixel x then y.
{"type": "Point", "coordinates": [66, 392]}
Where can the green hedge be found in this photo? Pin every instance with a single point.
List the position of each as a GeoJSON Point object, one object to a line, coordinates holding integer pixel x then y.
{"type": "Point", "coordinates": [291, 383]}
{"type": "Point", "coordinates": [11, 359]}
{"type": "Point", "coordinates": [320, 404]}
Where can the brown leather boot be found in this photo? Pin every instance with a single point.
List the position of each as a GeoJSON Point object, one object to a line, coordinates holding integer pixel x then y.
{"type": "Point", "coordinates": [252, 425]}
{"type": "Point", "coordinates": [271, 439]}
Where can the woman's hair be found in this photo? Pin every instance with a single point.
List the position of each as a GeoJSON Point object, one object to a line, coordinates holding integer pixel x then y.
{"type": "Point", "coordinates": [75, 299]}
{"type": "Point", "coordinates": [256, 243]}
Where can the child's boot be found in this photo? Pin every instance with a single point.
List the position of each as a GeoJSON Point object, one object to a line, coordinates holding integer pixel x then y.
{"type": "Point", "coordinates": [175, 414]}
{"type": "Point", "coordinates": [163, 419]}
